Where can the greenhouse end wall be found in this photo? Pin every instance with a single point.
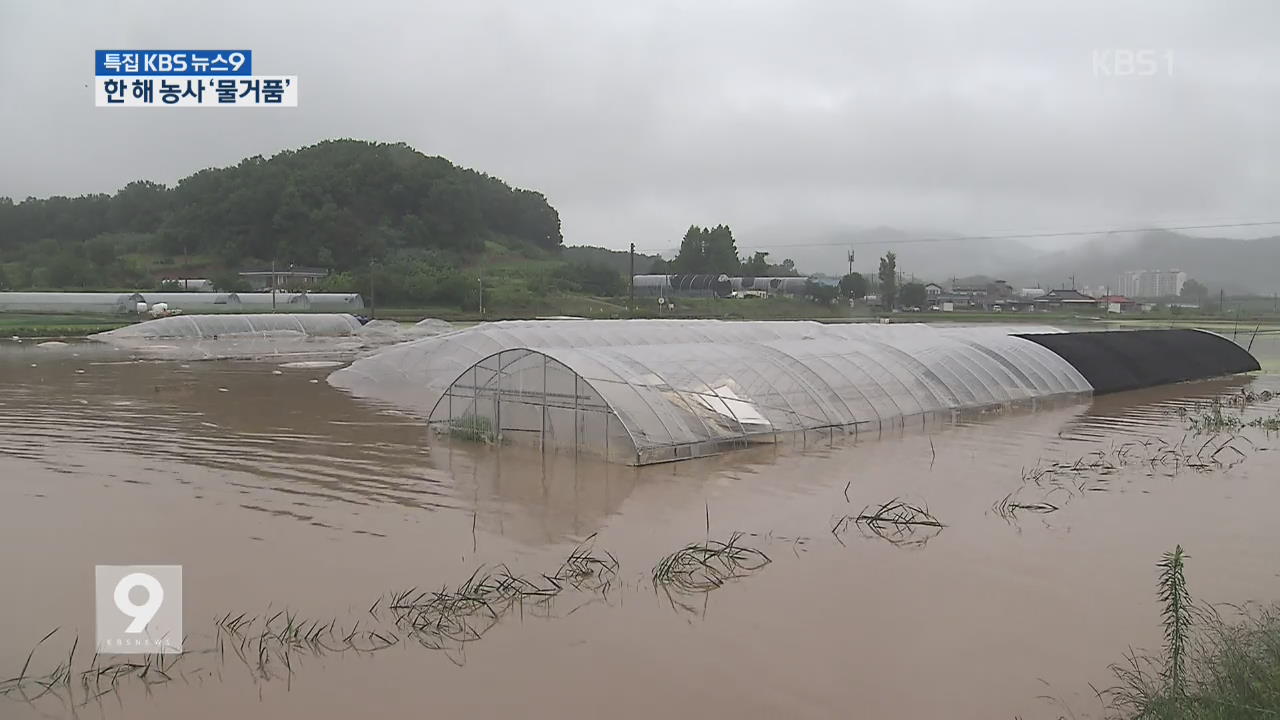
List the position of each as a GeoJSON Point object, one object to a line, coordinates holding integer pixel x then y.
{"type": "Point", "coordinates": [525, 397]}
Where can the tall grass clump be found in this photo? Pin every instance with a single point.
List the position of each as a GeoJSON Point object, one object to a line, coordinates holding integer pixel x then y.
{"type": "Point", "coordinates": [1211, 669]}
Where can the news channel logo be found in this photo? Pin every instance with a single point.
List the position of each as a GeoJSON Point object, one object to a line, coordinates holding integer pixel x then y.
{"type": "Point", "coordinates": [187, 78]}
{"type": "Point", "coordinates": [1132, 62]}
{"type": "Point", "coordinates": [138, 608]}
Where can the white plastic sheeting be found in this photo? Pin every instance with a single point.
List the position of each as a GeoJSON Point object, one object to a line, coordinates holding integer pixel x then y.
{"type": "Point", "coordinates": [643, 391]}
{"type": "Point", "coordinates": [118, 303]}
{"type": "Point", "coordinates": [189, 301]}
{"type": "Point", "coordinates": [70, 302]}
{"type": "Point", "coordinates": [294, 302]}
{"type": "Point", "coordinates": [205, 327]}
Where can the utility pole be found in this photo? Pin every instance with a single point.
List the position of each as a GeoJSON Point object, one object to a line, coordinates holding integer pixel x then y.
{"type": "Point", "coordinates": [481, 280]}
{"type": "Point", "coordinates": [1073, 281]}
{"type": "Point", "coordinates": [273, 286]}
{"type": "Point", "coordinates": [850, 262]}
{"type": "Point", "coordinates": [632, 278]}
{"type": "Point", "coordinates": [1222, 301]}
{"type": "Point", "coordinates": [373, 302]}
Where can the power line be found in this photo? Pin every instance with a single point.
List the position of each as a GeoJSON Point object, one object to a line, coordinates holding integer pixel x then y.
{"type": "Point", "coordinates": [1016, 236]}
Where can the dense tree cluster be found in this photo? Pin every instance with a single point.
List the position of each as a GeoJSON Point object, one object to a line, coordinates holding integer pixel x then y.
{"type": "Point", "coordinates": [337, 204]}
{"type": "Point", "coordinates": [707, 250]}
{"type": "Point", "coordinates": [714, 251]}
{"type": "Point", "coordinates": [913, 295]}
{"type": "Point", "coordinates": [853, 286]}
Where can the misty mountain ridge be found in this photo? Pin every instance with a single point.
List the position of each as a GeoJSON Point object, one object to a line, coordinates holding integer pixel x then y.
{"type": "Point", "coordinates": [826, 251]}
{"type": "Point", "coordinates": [1237, 266]}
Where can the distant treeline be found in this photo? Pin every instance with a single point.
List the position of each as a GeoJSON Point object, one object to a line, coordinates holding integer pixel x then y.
{"type": "Point", "coordinates": [338, 204]}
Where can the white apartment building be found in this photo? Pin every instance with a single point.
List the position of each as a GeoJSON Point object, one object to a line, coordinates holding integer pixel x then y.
{"type": "Point", "coordinates": [1152, 283]}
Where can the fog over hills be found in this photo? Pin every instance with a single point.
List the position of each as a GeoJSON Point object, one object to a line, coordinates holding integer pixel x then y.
{"type": "Point", "coordinates": [827, 251]}
{"type": "Point", "coordinates": [1239, 266]}
{"type": "Point", "coordinates": [1234, 265]}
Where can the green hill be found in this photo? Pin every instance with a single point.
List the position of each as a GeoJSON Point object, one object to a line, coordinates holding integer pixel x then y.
{"type": "Point", "coordinates": [337, 204]}
{"type": "Point", "coordinates": [617, 260]}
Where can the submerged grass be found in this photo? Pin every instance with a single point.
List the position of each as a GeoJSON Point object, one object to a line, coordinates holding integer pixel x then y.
{"type": "Point", "coordinates": [1210, 669]}
{"type": "Point", "coordinates": [1059, 482]}
{"type": "Point", "coordinates": [1009, 506]}
{"type": "Point", "coordinates": [703, 567]}
{"type": "Point", "coordinates": [897, 521]}
{"type": "Point", "coordinates": [273, 645]}
{"type": "Point", "coordinates": [1226, 414]}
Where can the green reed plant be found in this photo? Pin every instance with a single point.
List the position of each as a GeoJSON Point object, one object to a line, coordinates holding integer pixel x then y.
{"type": "Point", "coordinates": [1210, 669]}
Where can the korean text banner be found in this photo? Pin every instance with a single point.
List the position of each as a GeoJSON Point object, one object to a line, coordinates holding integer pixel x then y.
{"type": "Point", "coordinates": [173, 62]}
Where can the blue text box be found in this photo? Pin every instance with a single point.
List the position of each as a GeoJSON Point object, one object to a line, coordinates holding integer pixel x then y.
{"type": "Point", "coordinates": [172, 62]}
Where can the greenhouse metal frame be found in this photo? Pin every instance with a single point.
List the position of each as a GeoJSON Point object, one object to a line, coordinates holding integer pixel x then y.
{"type": "Point", "coordinates": [642, 392]}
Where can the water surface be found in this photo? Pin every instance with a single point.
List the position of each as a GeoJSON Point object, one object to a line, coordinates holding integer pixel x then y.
{"type": "Point", "coordinates": [274, 489]}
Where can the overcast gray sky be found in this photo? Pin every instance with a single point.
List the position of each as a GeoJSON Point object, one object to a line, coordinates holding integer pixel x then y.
{"type": "Point", "coordinates": [786, 120]}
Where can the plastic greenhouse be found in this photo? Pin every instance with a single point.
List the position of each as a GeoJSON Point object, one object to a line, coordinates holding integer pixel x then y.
{"type": "Point", "coordinates": [189, 301]}
{"type": "Point", "coordinates": [204, 327]}
{"type": "Point", "coordinates": [118, 303]}
{"type": "Point", "coordinates": [646, 391]}
{"type": "Point", "coordinates": [784, 285]}
{"type": "Point", "coordinates": [294, 302]}
{"type": "Point", "coordinates": [70, 302]}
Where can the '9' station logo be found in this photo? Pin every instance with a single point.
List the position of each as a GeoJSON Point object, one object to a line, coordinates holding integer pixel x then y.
{"type": "Point", "coordinates": [138, 608]}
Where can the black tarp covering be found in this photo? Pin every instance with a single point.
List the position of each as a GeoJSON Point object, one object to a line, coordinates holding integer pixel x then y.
{"type": "Point", "coordinates": [1127, 359]}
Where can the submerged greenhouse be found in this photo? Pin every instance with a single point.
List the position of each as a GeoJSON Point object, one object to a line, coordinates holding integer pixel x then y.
{"type": "Point", "coordinates": [646, 391]}
{"type": "Point", "coordinates": [207, 327]}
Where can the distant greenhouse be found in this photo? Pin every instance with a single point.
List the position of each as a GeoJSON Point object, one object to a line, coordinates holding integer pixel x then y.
{"type": "Point", "coordinates": [301, 302]}
{"type": "Point", "coordinates": [779, 285]}
{"type": "Point", "coordinates": [714, 285]}
{"type": "Point", "coordinates": [682, 285]}
{"type": "Point", "coordinates": [103, 303]}
{"type": "Point", "coordinates": [194, 301]}
{"type": "Point", "coordinates": [205, 327]}
{"type": "Point", "coordinates": [107, 303]}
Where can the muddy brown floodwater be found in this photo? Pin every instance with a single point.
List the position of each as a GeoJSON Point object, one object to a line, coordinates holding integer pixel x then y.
{"type": "Point", "coordinates": [277, 491]}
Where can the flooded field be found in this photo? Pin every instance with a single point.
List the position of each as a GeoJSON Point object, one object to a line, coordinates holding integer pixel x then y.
{"type": "Point", "coordinates": [277, 492]}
